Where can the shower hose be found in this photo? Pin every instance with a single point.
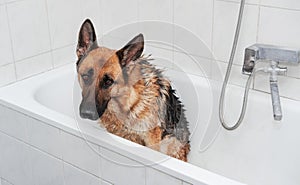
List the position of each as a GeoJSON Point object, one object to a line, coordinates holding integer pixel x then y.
{"type": "Point", "coordinates": [225, 82]}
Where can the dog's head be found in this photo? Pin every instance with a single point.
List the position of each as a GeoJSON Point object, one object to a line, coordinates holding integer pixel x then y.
{"type": "Point", "coordinates": [102, 72]}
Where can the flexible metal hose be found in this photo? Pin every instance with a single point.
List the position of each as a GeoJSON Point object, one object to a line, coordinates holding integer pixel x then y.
{"type": "Point", "coordinates": [233, 50]}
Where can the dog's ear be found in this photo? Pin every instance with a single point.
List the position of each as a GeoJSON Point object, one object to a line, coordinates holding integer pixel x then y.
{"type": "Point", "coordinates": [131, 51]}
{"type": "Point", "coordinates": [86, 38]}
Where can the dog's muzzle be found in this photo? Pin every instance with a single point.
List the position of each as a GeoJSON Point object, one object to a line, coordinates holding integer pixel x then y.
{"type": "Point", "coordinates": [88, 111]}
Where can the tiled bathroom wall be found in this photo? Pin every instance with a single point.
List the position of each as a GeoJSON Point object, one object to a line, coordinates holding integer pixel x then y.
{"type": "Point", "coordinates": [39, 35]}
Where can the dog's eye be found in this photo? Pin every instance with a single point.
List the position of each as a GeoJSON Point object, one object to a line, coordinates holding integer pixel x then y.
{"type": "Point", "coordinates": [88, 76]}
{"type": "Point", "coordinates": [85, 78]}
{"type": "Point", "coordinates": [107, 82]}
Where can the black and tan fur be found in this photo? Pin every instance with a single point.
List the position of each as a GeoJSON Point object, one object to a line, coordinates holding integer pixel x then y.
{"type": "Point", "coordinates": [129, 96]}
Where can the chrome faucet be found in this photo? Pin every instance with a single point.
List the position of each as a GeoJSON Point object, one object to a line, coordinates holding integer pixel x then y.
{"type": "Point", "coordinates": [274, 54]}
{"type": "Point", "coordinates": [274, 71]}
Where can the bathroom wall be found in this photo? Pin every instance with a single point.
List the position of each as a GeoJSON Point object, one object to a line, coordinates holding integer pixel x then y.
{"type": "Point", "coordinates": [265, 21]}
{"type": "Point", "coordinates": [39, 35]}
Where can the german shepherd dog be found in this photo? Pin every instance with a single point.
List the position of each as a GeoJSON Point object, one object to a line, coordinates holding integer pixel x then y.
{"type": "Point", "coordinates": [129, 96]}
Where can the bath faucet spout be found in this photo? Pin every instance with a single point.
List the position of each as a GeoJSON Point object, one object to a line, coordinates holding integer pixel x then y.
{"type": "Point", "coordinates": [274, 71]}
{"type": "Point", "coordinates": [277, 113]}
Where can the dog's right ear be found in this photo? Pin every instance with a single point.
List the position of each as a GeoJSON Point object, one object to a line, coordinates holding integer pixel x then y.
{"type": "Point", "coordinates": [131, 51]}
{"type": "Point", "coordinates": [86, 39]}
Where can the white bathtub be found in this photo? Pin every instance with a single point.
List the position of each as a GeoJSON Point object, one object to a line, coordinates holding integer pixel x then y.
{"type": "Point", "coordinates": [261, 151]}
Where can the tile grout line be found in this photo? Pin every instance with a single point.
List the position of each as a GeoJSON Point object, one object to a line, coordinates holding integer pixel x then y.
{"type": "Point", "coordinates": [281, 8]}
{"type": "Point", "coordinates": [257, 37]}
{"type": "Point", "coordinates": [5, 180]}
{"type": "Point", "coordinates": [11, 43]}
{"type": "Point", "coordinates": [44, 52]}
{"type": "Point", "coordinates": [173, 34]}
{"type": "Point", "coordinates": [49, 34]}
{"type": "Point", "coordinates": [101, 20]}
{"type": "Point", "coordinates": [5, 65]}
{"type": "Point", "coordinates": [237, 2]}
{"type": "Point", "coordinates": [12, 2]}
{"type": "Point", "coordinates": [62, 156]}
{"type": "Point", "coordinates": [212, 39]}
{"type": "Point", "coordinates": [259, 3]}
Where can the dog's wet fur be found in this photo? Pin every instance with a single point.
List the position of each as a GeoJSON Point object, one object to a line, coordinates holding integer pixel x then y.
{"type": "Point", "coordinates": [129, 96]}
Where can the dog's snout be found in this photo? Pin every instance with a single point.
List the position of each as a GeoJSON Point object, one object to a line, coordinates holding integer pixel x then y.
{"type": "Point", "coordinates": [88, 111]}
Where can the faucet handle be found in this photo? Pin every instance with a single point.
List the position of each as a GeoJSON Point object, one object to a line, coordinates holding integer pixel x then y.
{"type": "Point", "coordinates": [281, 70]}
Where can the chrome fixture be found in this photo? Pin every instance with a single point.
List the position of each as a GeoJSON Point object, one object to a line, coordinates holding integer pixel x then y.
{"type": "Point", "coordinates": [274, 54]}
{"type": "Point", "coordinates": [269, 52]}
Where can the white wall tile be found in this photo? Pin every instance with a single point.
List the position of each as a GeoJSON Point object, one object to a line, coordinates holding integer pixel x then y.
{"type": "Point", "coordinates": [196, 17]}
{"type": "Point", "coordinates": [77, 152]}
{"type": "Point", "coordinates": [247, 1]}
{"type": "Point", "coordinates": [92, 9]}
{"type": "Point", "coordinates": [33, 65]}
{"type": "Point", "coordinates": [120, 36]}
{"type": "Point", "coordinates": [288, 87]}
{"type": "Point", "coordinates": [16, 161]}
{"type": "Point", "coordinates": [158, 32]}
{"type": "Point", "coordinates": [156, 10]}
{"type": "Point", "coordinates": [13, 123]}
{"type": "Point", "coordinates": [192, 64]}
{"type": "Point", "coordinates": [293, 70]}
{"type": "Point", "coordinates": [75, 176]}
{"type": "Point", "coordinates": [46, 169]}
{"type": "Point", "coordinates": [292, 4]}
{"type": "Point", "coordinates": [162, 58]}
{"type": "Point", "coordinates": [120, 22]}
{"type": "Point", "coordinates": [64, 21]}
{"type": "Point", "coordinates": [64, 55]}
{"type": "Point", "coordinates": [225, 19]}
{"type": "Point", "coordinates": [10, 1]}
{"type": "Point", "coordinates": [7, 74]}
{"type": "Point", "coordinates": [5, 45]}
{"type": "Point", "coordinates": [113, 163]}
{"type": "Point", "coordinates": [154, 177]}
{"type": "Point", "coordinates": [113, 42]}
{"type": "Point", "coordinates": [45, 137]}
{"type": "Point", "coordinates": [279, 27]}
{"type": "Point", "coordinates": [236, 76]}
{"type": "Point", "coordinates": [29, 28]}
{"type": "Point", "coordinates": [117, 13]}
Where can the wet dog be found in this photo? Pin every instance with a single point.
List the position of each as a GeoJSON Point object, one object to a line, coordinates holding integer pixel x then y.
{"type": "Point", "coordinates": [129, 96]}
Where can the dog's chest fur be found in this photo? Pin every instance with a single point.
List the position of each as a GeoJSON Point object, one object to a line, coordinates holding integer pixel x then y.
{"type": "Point", "coordinates": [139, 113]}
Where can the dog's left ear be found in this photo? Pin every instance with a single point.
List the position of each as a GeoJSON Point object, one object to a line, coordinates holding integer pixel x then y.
{"type": "Point", "coordinates": [86, 38]}
{"type": "Point", "coordinates": [131, 51]}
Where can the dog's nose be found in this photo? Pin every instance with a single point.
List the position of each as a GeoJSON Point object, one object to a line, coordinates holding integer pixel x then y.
{"type": "Point", "coordinates": [87, 114]}
{"type": "Point", "coordinates": [88, 111]}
